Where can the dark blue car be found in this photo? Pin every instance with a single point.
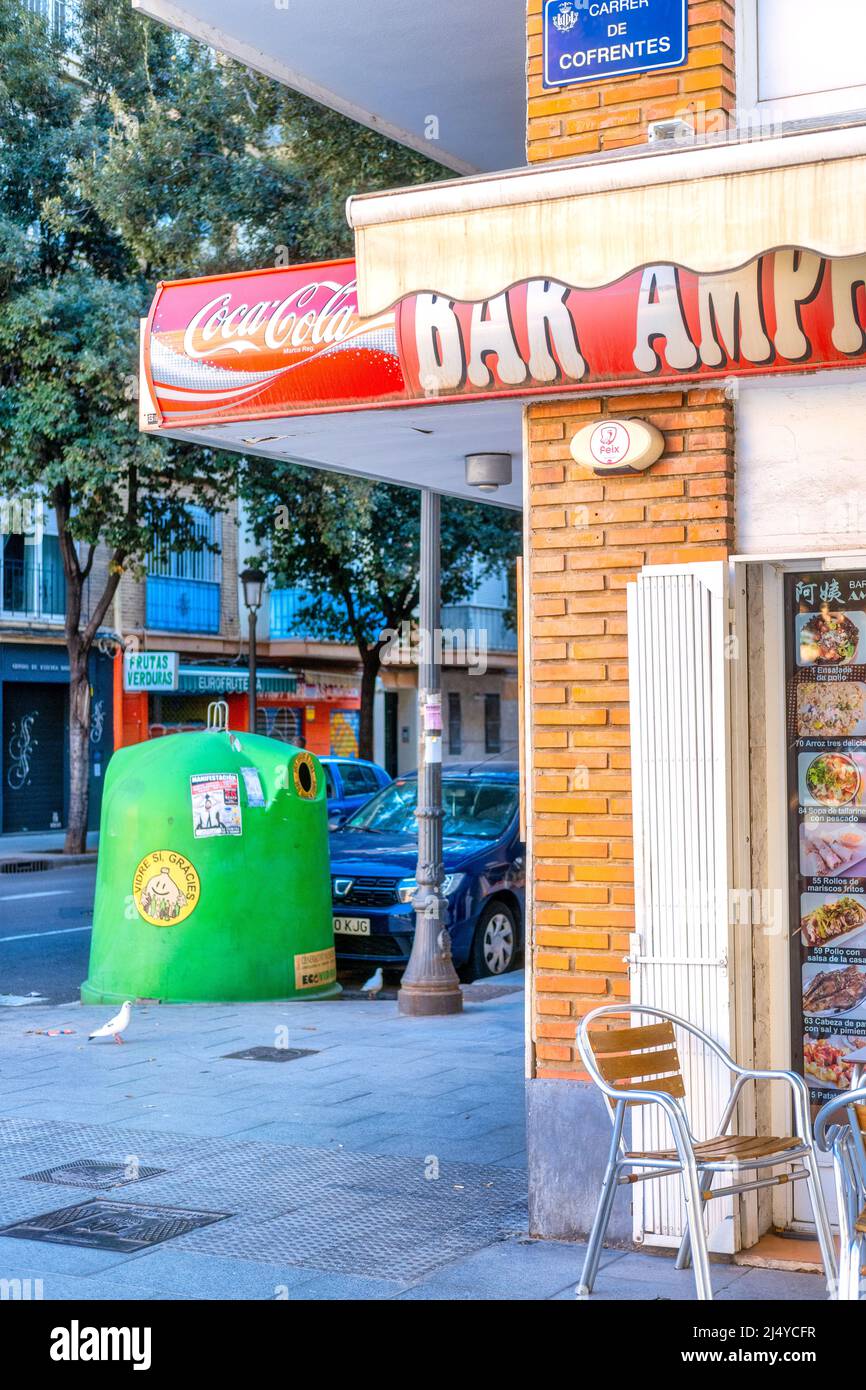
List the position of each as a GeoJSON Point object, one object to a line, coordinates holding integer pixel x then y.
{"type": "Point", "coordinates": [349, 783]}
{"type": "Point", "coordinates": [373, 860]}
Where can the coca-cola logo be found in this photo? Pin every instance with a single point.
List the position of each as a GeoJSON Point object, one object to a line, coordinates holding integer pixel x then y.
{"type": "Point", "coordinates": [299, 322]}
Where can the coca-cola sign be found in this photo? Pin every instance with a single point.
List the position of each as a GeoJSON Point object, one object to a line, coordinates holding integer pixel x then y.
{"type": "Point", "coordinates": [267, 343]}
{"type": "Point", "coordinates": [290, 342]}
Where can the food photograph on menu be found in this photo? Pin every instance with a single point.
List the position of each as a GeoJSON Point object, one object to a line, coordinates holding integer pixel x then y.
{"type": "Point", "coordinates": [832, 849]}
{"type": "Point", "coordinates": [831, 709]}
{"type": "Point", "coordinates": [838, 990]}
{"type": "Point", "coordinates": [832, 921]}
{"type": "Point", "coordinates": [836, 778]}
{"type": "Point", "coordinates": [831, 638]}
{"type": "Point", "coordinates": [831, 1061]}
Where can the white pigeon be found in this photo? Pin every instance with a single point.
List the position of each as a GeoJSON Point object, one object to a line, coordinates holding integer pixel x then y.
{"type": "Point", "coordinates": [374, 984]}
{"type": "Point", "coordinates": [115, 1026]}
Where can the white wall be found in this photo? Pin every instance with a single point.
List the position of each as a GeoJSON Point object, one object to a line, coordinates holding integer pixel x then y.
{"type": "Point", "coordinates": [801, 465]}
{"type": "Point", "coordinates": [804, 47]}
{"type": "Point", "coordinates": [797, 59]}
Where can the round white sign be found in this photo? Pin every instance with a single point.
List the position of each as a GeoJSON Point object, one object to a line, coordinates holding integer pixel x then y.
{"type": "Point", "coordinates": [609, 443]}
{"type": "Point", "coordinates": [618, 446]}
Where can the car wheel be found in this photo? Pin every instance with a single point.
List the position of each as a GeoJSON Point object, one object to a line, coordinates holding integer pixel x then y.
{"type": "Point", "coordinates": [494, 946]}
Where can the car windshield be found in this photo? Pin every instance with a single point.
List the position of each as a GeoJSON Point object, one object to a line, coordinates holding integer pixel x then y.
{"type": "Point", "coordinates": [473, 807]}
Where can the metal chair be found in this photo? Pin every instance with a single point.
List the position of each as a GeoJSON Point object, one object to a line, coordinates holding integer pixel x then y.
{"type": "Point", "coordinates": [845, 1141]}
{"type": "Point", "coordinates": [641, 1066]}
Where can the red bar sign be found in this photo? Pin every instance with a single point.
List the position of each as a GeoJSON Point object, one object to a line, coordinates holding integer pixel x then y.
{"type": "Point", "coordinates": [290, 342]}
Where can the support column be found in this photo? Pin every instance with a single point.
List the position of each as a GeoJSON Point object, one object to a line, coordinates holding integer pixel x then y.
{"type": "Point", "coordinates": [430, 985]}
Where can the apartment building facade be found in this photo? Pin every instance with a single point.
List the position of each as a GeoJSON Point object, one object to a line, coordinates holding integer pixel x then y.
{"type": "Point", "coordinates": [190, 604]}
{"type": "Point", "coordinates": [34, 676]}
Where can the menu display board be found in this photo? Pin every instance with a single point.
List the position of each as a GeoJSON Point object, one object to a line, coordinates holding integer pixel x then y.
{"type": "Point", "coordinates": [825, 620]}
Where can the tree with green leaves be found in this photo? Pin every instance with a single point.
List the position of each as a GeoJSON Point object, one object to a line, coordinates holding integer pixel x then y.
{"type": "Point", "coordinates": [353, 546]}
{"type": "Point", "coordinates": [141, 155]}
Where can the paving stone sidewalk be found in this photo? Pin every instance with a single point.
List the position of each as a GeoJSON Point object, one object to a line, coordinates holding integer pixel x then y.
{"type": "Point", "coordinates": [387, 1162]}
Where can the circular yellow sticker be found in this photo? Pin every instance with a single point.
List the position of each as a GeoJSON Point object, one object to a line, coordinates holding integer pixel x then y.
{"type": "Point", "coordinates": [165, 888]}
{"type": "Point", "coordinates": [304, 775]}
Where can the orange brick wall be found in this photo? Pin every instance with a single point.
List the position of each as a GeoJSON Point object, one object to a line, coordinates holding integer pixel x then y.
{"type": "Point", "coordinates": [587, 538]}
{"type": "Point", "coordinates": [589, 119]}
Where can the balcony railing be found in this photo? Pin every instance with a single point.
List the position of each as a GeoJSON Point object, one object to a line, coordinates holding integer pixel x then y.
{"type": "Point", "coordinates": [491, 622]}
{"type": "Point", "coordinates": [182, 605]}
{"type": "Point", "coordinates": [30, 591]}
{"type": "Point", "coordinates": [286, 620]}
{"type": "Point", "coordinates": [489, 625]}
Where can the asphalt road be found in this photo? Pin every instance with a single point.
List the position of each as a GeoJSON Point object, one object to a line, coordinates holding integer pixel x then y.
{"type": "Point", "coordinates": [45, 921]}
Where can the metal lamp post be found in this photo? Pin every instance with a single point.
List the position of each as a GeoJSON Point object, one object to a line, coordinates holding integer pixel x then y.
{"type": "Point", "coordinates": [430, 984]}
{"type": "Point", "coordinates": [253, 582]}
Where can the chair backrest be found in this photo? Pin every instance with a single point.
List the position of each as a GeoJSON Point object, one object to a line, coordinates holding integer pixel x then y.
{"type": "Point", "coordinates": [639, 1059]}
{"type": "Point", "coordinates": [859, 1142]}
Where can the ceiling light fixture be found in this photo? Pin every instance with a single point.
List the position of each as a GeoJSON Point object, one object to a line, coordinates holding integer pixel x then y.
{"type": "Point", "coordinates": [488, 472]}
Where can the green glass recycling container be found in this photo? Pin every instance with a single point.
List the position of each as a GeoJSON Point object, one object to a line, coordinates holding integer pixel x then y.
{"type": "Point", "coordinates": [213, 880]}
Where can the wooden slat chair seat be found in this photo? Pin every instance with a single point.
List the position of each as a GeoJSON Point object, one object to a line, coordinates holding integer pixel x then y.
{"type": "Point", "coordinates": [729, 1148]}
{"type": "Point", "coordinates": [641, 1066]}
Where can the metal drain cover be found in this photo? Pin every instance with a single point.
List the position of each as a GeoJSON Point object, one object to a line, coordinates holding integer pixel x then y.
{"type": "Point", "coordinates": [271, 1054]}
{"type": "Point", "coordinates": [102, 1225]}
{"type": "Point", "coordinates": [90, 1172]}
{"type": "Point", "coordinates": [24, 866]}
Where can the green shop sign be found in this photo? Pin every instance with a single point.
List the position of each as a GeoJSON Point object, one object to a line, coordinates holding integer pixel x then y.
{"type": "Point", "coordinates": [150, 671]}
{"type": "Point", "coordinates": [224, 680]}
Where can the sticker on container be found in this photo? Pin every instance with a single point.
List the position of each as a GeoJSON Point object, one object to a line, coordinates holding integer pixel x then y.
{"type": "Point", "coordinates": [253, 785]}
{"type": "Point", "coordinates": [216, 807]}
{"type": "Point", "coordinates": [165, 888]}
{"type": "Point", "coordinates": [315, 969]}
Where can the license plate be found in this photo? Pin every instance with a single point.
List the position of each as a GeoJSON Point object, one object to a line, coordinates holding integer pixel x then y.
{"type": "Point", "coordinates": [352, 926]}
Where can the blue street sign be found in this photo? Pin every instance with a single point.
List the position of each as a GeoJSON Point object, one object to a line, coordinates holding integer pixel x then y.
{"type": "Point", "coordinates": [589, 40]}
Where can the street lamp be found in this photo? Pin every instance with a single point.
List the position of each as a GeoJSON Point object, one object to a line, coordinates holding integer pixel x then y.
{"type": "Point", "coordinates": [253, 582]}
{"type": "Point", "coordinates": [430, 984]}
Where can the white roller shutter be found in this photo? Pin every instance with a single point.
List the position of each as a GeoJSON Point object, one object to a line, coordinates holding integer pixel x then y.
{"type": "Point", "coordinates": [680, 731]}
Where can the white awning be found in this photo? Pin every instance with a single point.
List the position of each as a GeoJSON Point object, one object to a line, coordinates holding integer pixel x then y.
{"type": "Point", "coordinates": [707, 208]}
